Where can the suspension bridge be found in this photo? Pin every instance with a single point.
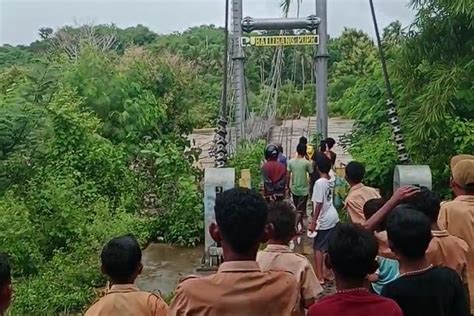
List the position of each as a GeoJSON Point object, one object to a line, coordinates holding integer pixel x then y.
{"type": "Point", "coordinates": [238, 123]}
{"type": "Point", "coordinates": [287, 133]}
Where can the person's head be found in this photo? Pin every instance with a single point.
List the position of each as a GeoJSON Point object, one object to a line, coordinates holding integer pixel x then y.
{"type": "Point", "coordinates": [351, 253]}
{"type": "Point", "coordinates": [409, 233]}
{"type": "Point", "coordinates": [271, 152]}
{"type": "Point", "coordinates": [301, 150]}
{"type": "Point", "coordinates": [331, 142]}
{"type": "Point", "coordinates": [280, 147]}
{"type": "Point", "coordinates": [355, 172]}
{"type": "Point", "coordinates": [458, 158]}
{"type": "Point", "coordinates": [323, 164]}
{"type": "Point", "coordinates": [282, 216]}
{"type": "Point", "coordinates": [463, 177]}
{"type": "Point", "coordinates": [371, 207]}
{"type": "Point", "coordinates": [122, 260]}
{"type": "Point", "coordinates": [323, 146]}
{"type": "Point", "coordinates": [5, 282]}
{"type": "Point", "coordinates": [241, 217]}
{"type": "Point", "coordinates": [303, 140]}
{"type": "Point", "coordinates": [426, 202]}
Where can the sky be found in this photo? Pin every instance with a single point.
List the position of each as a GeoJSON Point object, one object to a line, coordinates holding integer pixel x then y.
{"type": "Point", "coordinates": [21, 19]}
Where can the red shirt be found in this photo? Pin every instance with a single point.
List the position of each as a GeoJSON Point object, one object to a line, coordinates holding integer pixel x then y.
{"type": "Point", "coordinates": [359, 303]}
{"type": "Point", "coordinates": [274, 177]}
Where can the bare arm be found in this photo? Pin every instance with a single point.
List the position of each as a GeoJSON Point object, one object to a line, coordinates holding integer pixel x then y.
{"type": "Point", "coordinates": [399, 195]}
{"type": "Point", "coordinates": [317, 211]}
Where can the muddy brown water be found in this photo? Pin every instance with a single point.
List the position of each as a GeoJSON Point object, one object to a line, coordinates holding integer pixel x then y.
{"type": "Point", "coordinates": [165, 265]}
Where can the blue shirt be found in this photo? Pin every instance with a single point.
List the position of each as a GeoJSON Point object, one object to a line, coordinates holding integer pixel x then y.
{"type": "Point", "coordinates": [388, 271]}
{"type": "Point", "coordinates": [282, 159]}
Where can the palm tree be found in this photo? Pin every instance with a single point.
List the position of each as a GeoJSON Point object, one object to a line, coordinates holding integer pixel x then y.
{"type": "Point", "coordinates": [286, 4]}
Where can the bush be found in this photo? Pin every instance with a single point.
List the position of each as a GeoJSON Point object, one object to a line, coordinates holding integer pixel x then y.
{"type": "Point", "coordinates": [82, 151]}
{"type": "Point", "coordinates": [249, 156]}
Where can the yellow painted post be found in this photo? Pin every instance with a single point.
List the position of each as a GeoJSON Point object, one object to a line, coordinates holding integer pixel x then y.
{"type": "Point", "coordinates": [245, 179]}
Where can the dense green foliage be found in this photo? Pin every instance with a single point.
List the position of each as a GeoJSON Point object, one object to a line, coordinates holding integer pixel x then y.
{"type": "Point", "coordinates": [92, 148]}
{"type": "Point", "coordinates": [249, 156]}
{"type": "Point", "coordinates": [432, 81]}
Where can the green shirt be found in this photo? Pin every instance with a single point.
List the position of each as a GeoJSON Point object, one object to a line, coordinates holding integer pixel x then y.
{"type": "Point", "coordinates": [300, 168]}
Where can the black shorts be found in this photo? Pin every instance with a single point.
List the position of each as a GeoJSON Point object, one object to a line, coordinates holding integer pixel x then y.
{"type": "Point", "coordinates": [321, 240]}
{"type": "Point", "coordinates": [300, 203]}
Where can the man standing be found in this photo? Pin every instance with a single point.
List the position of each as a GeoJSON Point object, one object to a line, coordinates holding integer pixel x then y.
{"type": "Point", "coordinates": [299, 169]}
{"type": "Point", "coordinates": [281, 156]}
{"type": "Point", "coordinates": [274, 175]}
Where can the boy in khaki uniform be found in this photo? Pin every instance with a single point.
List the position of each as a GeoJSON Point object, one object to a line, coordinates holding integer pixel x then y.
{"type": "Point", "coordinates": [121, 262]}
{"type": "Point", "coordinates": [277, 255]}
{"type": "Point", "coordinates": [444, 249]}
{"type": "Point", "coordinates": [239, 287]}
{"type": "Point", "coordinates": [457, 216]}
{"type": "Point", "coordinates": [359, 194]}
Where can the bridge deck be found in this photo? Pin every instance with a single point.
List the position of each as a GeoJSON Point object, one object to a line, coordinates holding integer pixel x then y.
{"type": "Point", "coordinates": [288, 133]}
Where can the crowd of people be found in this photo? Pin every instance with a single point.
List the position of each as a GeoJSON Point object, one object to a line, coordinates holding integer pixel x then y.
{"type": "Point", "coordinates": [408, 255]}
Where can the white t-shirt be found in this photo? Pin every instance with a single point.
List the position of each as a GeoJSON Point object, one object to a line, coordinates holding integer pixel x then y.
{"type": "Point", "coordinates": [322, 193]}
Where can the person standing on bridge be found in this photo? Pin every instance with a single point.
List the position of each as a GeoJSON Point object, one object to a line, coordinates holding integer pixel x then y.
{"type": "Point", "coordinates": [330, 142]}
{"type": "Point", "coordinates": [281, 156]}
{"type": "Point", "coordinates": [299, 171]}
{"type": "Point", "coordinates": [275, 180]}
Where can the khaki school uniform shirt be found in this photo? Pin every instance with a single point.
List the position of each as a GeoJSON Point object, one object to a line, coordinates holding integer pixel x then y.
{"type": "Point", "coordinates": [280, 257]}
{"type": "Point", "coordinates": [448, 251]}
{"type": "Point", "coordinates": [127, 300]}
{"type": "Point", "coordinates": [238, 288]}
{"type": "Point", "coordinates": [355, 201]}
{"type": "Point", "coordinates": [457, 217]}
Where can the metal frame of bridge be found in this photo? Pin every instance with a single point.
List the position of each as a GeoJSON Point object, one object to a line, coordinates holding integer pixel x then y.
{"type": "Point", "coordinates": [314, 22]}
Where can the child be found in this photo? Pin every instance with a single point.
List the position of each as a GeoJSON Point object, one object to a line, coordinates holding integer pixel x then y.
{"type": "Point", "coordinates": [359, 193]}
{"type": "Point", "coordinates": [421, 289]}
{"type": "Point", "coordinates": [277, 255]}
{"type": "Point", "coordinates": [5, 283]}
{"type": "Point", "coordinates": [325, 216]}
{"type": "Point", "coordinates": [239, 287]}
{"type": "Point", "coordinates": [351, 254]}
{"type": "Point", "coordinates": [299, 169]}
{"type": "Point", "coordinates": [388, 269]}
{"type": "Point", "coordinates": [457, 216]}
{"type": "Point", "coordinates": [121, 262]}
{"type": "Point", "coordinates": [444, 249]}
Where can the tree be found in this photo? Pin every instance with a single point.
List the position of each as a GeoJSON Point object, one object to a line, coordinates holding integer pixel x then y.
{"type": "Point", "coordinates": [45, 32]}
{"type": "Point", "coordinates": [432, 82]}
